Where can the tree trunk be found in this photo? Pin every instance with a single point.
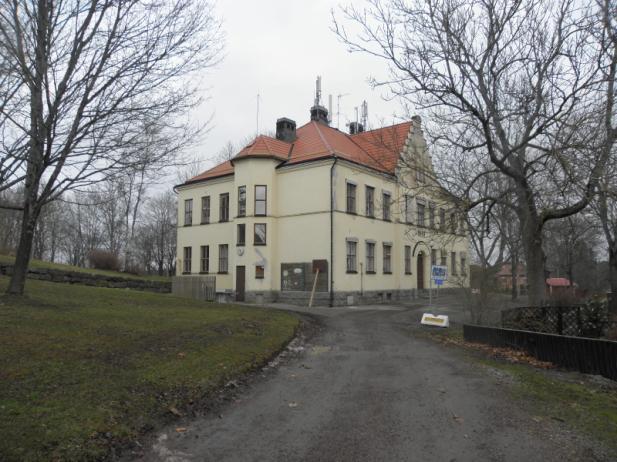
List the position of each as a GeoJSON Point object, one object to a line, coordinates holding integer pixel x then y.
{"type": "Point", "coordinates": [514, 268]}
{"type": "Point", "coordinates": [24, 251]}
{"type": "Point", "coordinates": [612, 276]}
{"type": "Point", "coordinates": [534, 256]}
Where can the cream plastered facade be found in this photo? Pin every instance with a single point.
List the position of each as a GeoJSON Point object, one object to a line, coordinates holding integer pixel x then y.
{"type": "Point", "coordinates": [300, 223]}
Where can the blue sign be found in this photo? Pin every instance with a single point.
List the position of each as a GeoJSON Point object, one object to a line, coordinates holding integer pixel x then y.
{"type": "Point", "coordinates": [439, 274]}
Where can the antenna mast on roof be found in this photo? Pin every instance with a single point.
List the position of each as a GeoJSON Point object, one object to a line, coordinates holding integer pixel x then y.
{"type": "Point", "coordinates": [338, 108]}
{"type": "Point", "coordinates": [364, 114]}
{"type": "Point", "coordinates": [257, 113]}
{"type": "Point", "coordinates": [318, 90]}
{"type": "Point", "coordinates": [329, 109]}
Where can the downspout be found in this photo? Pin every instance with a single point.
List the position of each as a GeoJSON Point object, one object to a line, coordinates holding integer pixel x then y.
{"type": "Point", "coordinates": [332, 230]}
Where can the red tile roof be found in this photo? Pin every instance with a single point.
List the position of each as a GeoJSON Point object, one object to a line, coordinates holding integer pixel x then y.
{"type": "Point", "coordinates": [377, 149]}
{"type": "Point", "coordinates": [558, 282]}
{"type": "Point", "coordinates": [265, 146]}
{"type": "Point", "coordinates": [220, 170]}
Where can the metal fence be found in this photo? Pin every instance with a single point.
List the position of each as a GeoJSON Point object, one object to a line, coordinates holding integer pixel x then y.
{"type": "Point", "coordinates": [591, 356]}
{"type": "Point", "coordinates": [590, 320]}
{"type": "Point", "coordinates": [197, 287]}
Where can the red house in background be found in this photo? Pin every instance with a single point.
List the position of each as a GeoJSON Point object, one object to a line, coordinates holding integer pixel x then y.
{"type": "Point", "coordinates": [504, 277]}
{"type": "Point", "coordinates": [556, 287]}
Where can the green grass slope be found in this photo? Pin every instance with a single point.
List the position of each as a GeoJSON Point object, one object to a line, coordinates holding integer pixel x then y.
{"type": "Point", "coordinates": [83, 369]}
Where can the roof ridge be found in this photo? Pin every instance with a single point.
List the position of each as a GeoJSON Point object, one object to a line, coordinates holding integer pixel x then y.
{"type": "Point", "coordinates": [382, 128]}
{"type": "Point", "coordinates": [323, 139]}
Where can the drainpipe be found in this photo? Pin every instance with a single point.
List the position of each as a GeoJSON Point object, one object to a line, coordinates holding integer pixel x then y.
{"type": "Point", "coordinates": [332, 230]}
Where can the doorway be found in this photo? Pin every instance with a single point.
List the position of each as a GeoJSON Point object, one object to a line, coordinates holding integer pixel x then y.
{"type": "Point", "coordinates": [420, 270]}
{"type": "Point", "coordinates": [240, 283]}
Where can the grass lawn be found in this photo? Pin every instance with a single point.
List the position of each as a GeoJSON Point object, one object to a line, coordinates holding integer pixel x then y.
{"type": "Point", "coordinates": [581, 402]}
{"type": "Point", "coordinates": [83, 369]}
{"type": "Point", "coordinates": [40, 264]}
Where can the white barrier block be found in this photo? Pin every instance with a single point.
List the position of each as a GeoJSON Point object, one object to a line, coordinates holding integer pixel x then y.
{"type": "Point", "coordinates": [440, 320]}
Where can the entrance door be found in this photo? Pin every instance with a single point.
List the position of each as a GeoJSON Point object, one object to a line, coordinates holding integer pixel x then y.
{"type": "Point", "coordinates": [420, 271]}
{"type": "Point", "coordinates": [240, 283]}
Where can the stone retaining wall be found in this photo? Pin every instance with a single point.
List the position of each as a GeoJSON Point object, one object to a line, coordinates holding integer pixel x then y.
{"type": "Point", "coordinates": [97, 280]}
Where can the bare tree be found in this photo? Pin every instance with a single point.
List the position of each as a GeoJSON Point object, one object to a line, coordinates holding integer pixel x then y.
{"type": "Point", "coordinates": [80, 81]}
{"type": "Point", "coordinates": [606, 204]}
{"type": "Point", "coordinates": [156, 239]}
{"type": "Point", "coordinates": [506, 87]}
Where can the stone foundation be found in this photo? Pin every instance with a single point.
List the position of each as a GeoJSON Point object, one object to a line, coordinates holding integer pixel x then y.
{"type": "Point", "coordinates": [346, 298]}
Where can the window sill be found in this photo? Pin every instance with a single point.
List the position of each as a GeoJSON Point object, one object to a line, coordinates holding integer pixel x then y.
{"type": "Point", "coordinates": [259, 245]}
{"type": "Point", "coordinates": [241, 244]}
{"type": "Point", "coordinates": [186, 272]}
{"type": "Point", "coordinates": [259, 278]}
{"type": "Point", "coordinates": [351, 272]}
{"type": "Point", "coordinates": [222, 272]}
{"type": "Point", "coordinates": [408, 273]}
{"type": "Point", "coordinates": [223, 221]}
{"type": "Point", "coordinates": [204, 272]}
{"type": "Point", "coordinates": [387, 272]}
{"type": "Point", "coordinates": [189, 224]}
{"type": "Point", "coordinates": [370, 272]}
{"type": "Point", "coordinates": [205, 223]}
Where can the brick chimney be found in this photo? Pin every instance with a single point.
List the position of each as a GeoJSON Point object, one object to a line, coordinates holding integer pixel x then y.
{"type": "Point", "coordinates": [320, 114]}
{"type": "Point", "coordinates": [286, 130]}
{"type": "Point", "coordinates": [355, 127]}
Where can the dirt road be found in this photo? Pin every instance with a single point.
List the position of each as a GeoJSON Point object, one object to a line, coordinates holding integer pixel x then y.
{"type": "Point", "coordinates": [366, 389]}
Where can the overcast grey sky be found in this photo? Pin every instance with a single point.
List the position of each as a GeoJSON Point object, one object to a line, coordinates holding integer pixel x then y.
{"type": "Point", "coordinates": [277, 48]}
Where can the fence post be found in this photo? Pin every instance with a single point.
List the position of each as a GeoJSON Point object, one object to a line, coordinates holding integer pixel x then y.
{"type": "Point", "coordinates": [559, 320]}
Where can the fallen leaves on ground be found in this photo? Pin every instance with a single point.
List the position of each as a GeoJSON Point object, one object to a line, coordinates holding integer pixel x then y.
{"type": "Point", "coordinates": [508, 354]}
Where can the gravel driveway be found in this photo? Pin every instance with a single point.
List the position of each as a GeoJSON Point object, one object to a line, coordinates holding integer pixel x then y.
{"type": "Point", "coordinates": [366, 389]}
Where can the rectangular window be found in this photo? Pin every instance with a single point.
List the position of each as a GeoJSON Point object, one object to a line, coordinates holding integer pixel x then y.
{"type": "Point", "coordinates": [407, 259]}
{"type": "Point", "coordinates": [223, 258]}
{"type": "Point", "coordinates": [260, 234]}
{"type": "Point", "coordinates": [431, 215]}
{"type": "Point", "coordinates": [224, 207]}
{"type": "Point", "coordinates": [205, 209]}
{"type": "Point", "coordinates": [453, 223]}
{"type": "Point", "coordinates": [351, 198]}
{"type": "Point", "coordinates": [352, 247]}
{"type": "Point", "coordinates": [433, 257]}
{"type": "Point", "coordinates": [370, 258]}
{"type": "Point", "coordinates": [386, 206]}
{"type": "Point", "coordinates": [453, 258]}
{"type": "Point", "coordinates": [387, 259]}
{"type": "Point", "coordinates": [259, 272]}
{"type": "Point", "coordinates": [420, 175]}
{"type": "Point", "coordinates": [204, 263]}
{"type": "Point", "coordinates": [420, 214]}
{"type": "Point", "coordinates": [241, 234]}
{"type": "Point", "coordinates": [242, 201]}
{"type": "Point", "coordinates": [444, 258]}
{"type": "Point", "coordinates": [463, 264]}
{"type": "Point", "coordinates": [408, 208]}
{"type": "Point", "coordinates": [188, 212]}
{"type": "Point", "coordinates": [188, 251]}
{"type": "Point", "coordinates": [442, 219]}
{"type": "Point", "coordinates": [261, 200]}
{"type": "Point", "coordinates": [370, 201]}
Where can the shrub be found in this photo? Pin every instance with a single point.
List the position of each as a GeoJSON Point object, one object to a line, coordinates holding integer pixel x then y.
{"type": "Point", "coordinates": [104, 260]}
